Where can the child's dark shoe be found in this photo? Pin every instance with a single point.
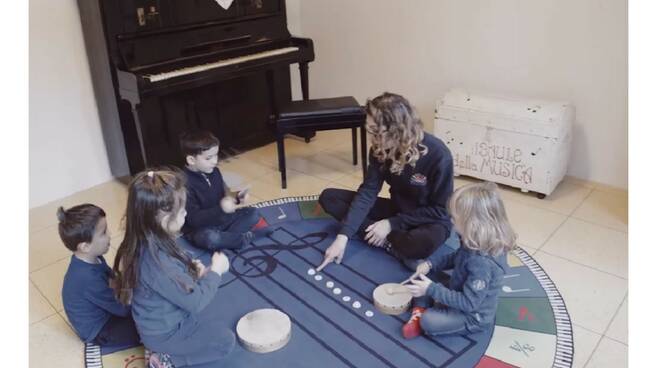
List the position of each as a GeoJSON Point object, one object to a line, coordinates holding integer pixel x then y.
{"type": "Point", "coordinates": [412, 328]}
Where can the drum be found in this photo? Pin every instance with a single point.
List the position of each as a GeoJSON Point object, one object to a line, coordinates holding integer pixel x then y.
{"type": "Point", "coordinates": [392, 298]}
{"type": "Point", "coordinates": [264, 330]}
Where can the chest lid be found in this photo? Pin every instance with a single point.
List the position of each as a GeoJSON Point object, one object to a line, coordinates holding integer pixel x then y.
{"type": "Point", "coordinates": [524, 115]}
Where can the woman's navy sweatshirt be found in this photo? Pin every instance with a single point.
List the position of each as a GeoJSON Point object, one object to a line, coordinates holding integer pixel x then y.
{"type": "Point", "coordinates": [419, 193]}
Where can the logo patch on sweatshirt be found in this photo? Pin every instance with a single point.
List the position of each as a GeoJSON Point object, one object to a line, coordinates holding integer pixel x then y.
{"type": "Point", "coordinates": [418, 179]}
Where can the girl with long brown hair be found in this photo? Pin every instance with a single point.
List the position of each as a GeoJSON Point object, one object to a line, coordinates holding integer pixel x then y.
{"type": "Point", "coordinates": [414, 223]}
{"type": "Point", "coordinates": [166, 288]}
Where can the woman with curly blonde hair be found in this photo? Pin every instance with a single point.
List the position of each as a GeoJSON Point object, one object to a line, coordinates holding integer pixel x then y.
{"type": "Point", "coordinates": [419, 170]}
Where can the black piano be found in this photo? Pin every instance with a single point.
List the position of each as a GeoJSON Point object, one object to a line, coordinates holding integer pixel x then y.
{"type": "Point", "coordinates": [164, 66]}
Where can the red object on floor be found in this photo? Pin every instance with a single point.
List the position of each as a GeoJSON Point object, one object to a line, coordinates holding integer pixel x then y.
{"type": "Point", "coordinates": [488, 362]}
{"type": "Point", "coordinates": [412, 328]}
{"type": "Point", "coordinates": [261, 224]}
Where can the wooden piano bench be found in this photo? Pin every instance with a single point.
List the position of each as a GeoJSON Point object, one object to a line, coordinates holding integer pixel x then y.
{"type": "Point", "coordinates": [323, 114]}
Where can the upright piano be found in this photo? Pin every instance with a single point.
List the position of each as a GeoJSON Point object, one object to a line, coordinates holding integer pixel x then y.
{"type": "Point", "coordinates": [161, 67]}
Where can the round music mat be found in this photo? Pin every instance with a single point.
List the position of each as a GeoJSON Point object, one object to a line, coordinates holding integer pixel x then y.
{"type": "Point", "coordinates": [343, 328]}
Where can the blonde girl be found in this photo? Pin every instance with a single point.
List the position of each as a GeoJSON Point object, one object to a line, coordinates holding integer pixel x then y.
{"type": "Point", "coordinates": [468, 304]}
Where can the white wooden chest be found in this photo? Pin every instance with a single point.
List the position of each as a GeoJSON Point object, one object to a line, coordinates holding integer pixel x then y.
{"type": "Point", "coordinates": [523, 143]}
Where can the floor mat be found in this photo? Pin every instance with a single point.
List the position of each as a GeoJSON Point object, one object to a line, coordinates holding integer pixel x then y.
{"type": "Point", "coordinates": [532, 326]}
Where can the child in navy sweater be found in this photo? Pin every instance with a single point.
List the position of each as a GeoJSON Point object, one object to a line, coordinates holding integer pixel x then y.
{"type": "Point", "coordinates": [89, 302]}
{"type": "Point", "coordinates": [213, 222]}
{"type": "Point", "coordinates": [469, 303]}
{"type": "Point", "coordinates": [168, 290]}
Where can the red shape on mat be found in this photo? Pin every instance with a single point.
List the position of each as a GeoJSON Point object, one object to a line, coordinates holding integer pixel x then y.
{"type": "Point", "coordinates": [488, 362]}
{"type": "Point", "coordinates": [317, 209]}
{"type": "Point", "coordinates": [524, 312]}
{"type": "Point", "coordinates": [261, 224]}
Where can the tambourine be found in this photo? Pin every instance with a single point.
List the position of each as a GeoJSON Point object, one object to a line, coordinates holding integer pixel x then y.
{"type": "Point", "coordinates": [264, 330]}
{"type": "Point", "coordinates": [392, 298]}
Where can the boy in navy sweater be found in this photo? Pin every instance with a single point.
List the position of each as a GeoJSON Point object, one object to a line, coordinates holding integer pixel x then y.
{"type": "Point", "coordinates": [212, 220]}
{"type": "Point", "coordinates": [89, 302]}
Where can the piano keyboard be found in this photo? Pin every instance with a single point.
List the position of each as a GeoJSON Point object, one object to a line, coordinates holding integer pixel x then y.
{"type": "Point", "coordinates": [218, 64]}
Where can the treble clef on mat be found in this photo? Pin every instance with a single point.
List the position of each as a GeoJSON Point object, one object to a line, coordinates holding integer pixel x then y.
{"type": "Point", "coordinates": [256, 261]}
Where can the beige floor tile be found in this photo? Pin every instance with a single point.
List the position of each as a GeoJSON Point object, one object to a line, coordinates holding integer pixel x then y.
{"type": "Point", "coordinates": [533, 225]}
{"type": "Point", "coordinates": [565, 198]}
{"type": "Point", "coordinates": [578, 181]}
{"type": "Point", "coordinates": [607, 208]}
{"type": "Point", "coordinates": [592, 245]}
{"type": "Point", "coordinates": [39, 306]}
{"type": "Point", "coordinates": [337, 163]}
{"type": "Point", "coordinates": [49, 280]}
{"type": "Point", "coordinates": [111, 196]}
{"type": "Point", "coordinates": [245, 167]}
{"type": "Point", "coordinates": [460, 181]}
{"type": "Point", "coordinates": [46, 248]}
{"type": "Point", "coordinates": [314, 168]}
{"type": "Point", "coordinates": [298, 184]}
{"type": "Point", "coordinates": [54, 344]}
{"type": "Point", "coordinates": [609, 354]}
{"type": "Point", "coordinates": [584, 343]}
{"type": "Point", "coordinates": [618, 330]}
{"type": "Point", "coordinates": [592, 297]}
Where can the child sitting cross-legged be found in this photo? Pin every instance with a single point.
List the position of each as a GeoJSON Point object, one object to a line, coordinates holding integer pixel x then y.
{"type": "Point", "coordinates": [89, 302]}
{"type": "Point", "coordinates": [213, 221]}
{"type": "Point", "coordinates": [168, 290]}
{"type": "Point", "coordinates": [469, 302]}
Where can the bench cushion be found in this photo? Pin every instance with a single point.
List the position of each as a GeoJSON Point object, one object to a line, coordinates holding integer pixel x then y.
{"type": "Point", "coordinates": [304, 110]}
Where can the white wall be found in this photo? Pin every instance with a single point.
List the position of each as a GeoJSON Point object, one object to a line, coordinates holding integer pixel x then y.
{"type": "Point", "coordinates": [557, 49]}
{"type": "Point", "coordinates": [67, 153]}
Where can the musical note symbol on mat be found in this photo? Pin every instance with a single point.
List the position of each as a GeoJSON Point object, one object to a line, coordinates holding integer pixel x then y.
{"type": "Point", "coordinates": [283, 215]}
{"type": "Point", "coordinates": [512, 275]}
{"type": "Point", "coordinates": [508, 290]}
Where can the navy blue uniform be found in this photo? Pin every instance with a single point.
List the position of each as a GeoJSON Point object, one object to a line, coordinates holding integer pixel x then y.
{"type": "Point", "coordinates": [207, 225]}
{"type": "Point", "coordinates": [417, 208]}
{"type": "Point", "coordinates": [91, 307]}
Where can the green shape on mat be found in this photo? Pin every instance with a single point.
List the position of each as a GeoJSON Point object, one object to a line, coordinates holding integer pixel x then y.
{"type": "Point", "coordinates": [312, 210]}
{"type": "Point", "coordinates": [529, 314]}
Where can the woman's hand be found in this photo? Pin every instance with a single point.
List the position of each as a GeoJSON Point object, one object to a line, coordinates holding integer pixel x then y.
{"type": "Point", "coordinates": [335, 251]}
{"type": "Point", "coordinates": [377, 232]}
{"type": "Point", "coordinates": [418, 287]}
{"type": "Point", "coordinates": [201, 269]}
{"type": "Point", "coordinates": [219, 263]}
{"type": "Point", "coordinates": [423, 268]}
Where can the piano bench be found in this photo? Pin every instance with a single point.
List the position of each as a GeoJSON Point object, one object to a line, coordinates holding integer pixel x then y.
{"type": "Point", "coordinates": [322, 114]}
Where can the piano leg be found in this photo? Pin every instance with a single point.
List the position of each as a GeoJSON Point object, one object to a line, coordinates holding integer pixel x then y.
{"type": "Point", "coordinates": [304, 86]}
{"type": "Point", "coordinates": [304, 80]}
{"type": "Point", "coordinates": [281, 159]}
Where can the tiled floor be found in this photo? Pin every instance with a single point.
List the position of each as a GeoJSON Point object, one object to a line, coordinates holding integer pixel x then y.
{"type": "Point", "coordinates": [579, 235]}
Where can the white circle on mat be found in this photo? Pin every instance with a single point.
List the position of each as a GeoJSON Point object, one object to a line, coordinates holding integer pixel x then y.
{"type": "Point", "coordinates": [369, 313]}
{"type": "Point", "coordinates": [318, 277]}
{"type": "Point", "coordinates": [346, 298]}
{"type": "Point", "coordinates": [329, 284]}
{"type": "Point", "coordinates": [311, 272]}
{"type": "Point", "coordinates": [356, 304]}
{"type": "Point", "coordinates": [336, 291]}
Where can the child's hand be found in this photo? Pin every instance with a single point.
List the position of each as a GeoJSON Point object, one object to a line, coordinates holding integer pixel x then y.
{"type": "Point", "coordinates": [201, 269]}
{"type": "Point", "coordinates": [219, 263]}
{"type": "Point", "coordinates": [228, 204]}
{"type": "Point", "coordinates": [423, 268]}
{"type": "Point", "coordinates": [243, 196]}
{"type": "Point", "coordinates": [418, 287]}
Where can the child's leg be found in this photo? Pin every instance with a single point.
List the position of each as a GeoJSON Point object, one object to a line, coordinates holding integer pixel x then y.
{"type": "Point", "coordinates": [117, 332]}
{"type": "Point", "coordinates": [196, 342]}
{"type": "Point", "coordinates": [444, 321]}
{"type": "Point", "coordinates": [336, 203]}
{"type": "Point", "coordinates": [234, 233]}
{"type": "Point", "coordinates": [420, 242]}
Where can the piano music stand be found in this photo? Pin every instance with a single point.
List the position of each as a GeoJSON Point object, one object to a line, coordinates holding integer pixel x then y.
{"type": "Point", "coordinates": [320, 114]}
